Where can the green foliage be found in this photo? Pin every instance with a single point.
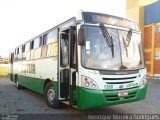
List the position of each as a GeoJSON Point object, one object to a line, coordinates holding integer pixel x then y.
{"type": "Point", "coordinates": [5, 62]}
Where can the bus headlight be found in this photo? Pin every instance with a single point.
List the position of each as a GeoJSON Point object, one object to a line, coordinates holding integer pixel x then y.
{"type": "Point", "coordinates": [143, 81]}
{"type": "Point", "coordinates": [89, 83]}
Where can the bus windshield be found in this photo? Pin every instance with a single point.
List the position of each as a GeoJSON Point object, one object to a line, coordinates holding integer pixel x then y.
{"type": "Point", "coordinates": [122, 55]}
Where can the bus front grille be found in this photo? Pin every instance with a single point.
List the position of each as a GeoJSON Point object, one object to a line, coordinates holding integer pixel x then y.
{"type": "Point", "coordinates": [122, 82]}
{"type": "Point", "coordinates": [116, 98]}
{"type": "Point", "coordinates": [125, 78]}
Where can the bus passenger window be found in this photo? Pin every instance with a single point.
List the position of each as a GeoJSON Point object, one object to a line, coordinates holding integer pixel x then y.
{"type": "Point", "coordinates": [27, 51]}
{"type": "Point", "coordinates": [52, 36]}
{"type": "Point", "coordinates": [23, 48]}
{"type": "Point", "coordinates": [54, 49]}
{"type": "Point", "coordinates": [27, 47]}
{"type": "Point", "coordinates": [64, 50]}
{"type": "Point", "coordinates": [17, 50]}
{"type": "Point", "coordinates": [15, 55]}
{"type": "Point", "coordinates": [19, 53]}
{"type": "Point", "coordinates": [37, 48]}
{"type": "Point", "coordinates": [40, 41]}
{"type": "Point", "coordinates": [23, 52]}
{"type": "Point", "coordinates": [36, 43]}
{"type": "Point", "coordinates": [32, 51]}
{"type": "Point", "coordinates": [32, 44]}
{"type": "Point", "coordinates": [49, 50]}
{"type": "Point", "coordinates": [45, 39]}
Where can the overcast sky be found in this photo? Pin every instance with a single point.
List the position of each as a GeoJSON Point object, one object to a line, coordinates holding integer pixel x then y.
{"type": "Point", "coordinates": [21, 20]}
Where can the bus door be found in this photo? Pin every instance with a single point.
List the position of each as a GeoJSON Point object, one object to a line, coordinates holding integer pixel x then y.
{"type": "Point", "coordinates": [64, 66]}
{"type": "Point", "coordinates": [67, 62]}
{"type": "Point", "coordinates": [11, 65]}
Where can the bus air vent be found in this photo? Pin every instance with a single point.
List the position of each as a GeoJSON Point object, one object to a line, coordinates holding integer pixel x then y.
{"type": "Point", "coordinates": [120, 78]}
{"type": "Point", "coordinates": [122, 82]}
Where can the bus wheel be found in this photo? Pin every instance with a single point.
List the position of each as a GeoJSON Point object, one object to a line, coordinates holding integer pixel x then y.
{"type": "Point", "coordinates": [17, 83]}
{"type": "Point", "coordinates": [50, 96]}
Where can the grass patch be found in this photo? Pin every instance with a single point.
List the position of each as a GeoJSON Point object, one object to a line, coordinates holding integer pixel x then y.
{"type": "Point", "coordinates": [4, 71]}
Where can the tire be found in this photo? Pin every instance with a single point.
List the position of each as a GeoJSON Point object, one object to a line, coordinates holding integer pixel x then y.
{"type": "Point", "coordinates": [17, 82]}
{"type": "Point", "coordinates": [50, 96]}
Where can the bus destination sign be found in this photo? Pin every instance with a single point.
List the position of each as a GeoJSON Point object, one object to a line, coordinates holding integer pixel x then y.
{"type": "Point", "coordinates": [90, 17]}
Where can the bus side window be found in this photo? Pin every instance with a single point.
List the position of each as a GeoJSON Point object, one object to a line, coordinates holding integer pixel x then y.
{"type": "Point", "coordinates": [32, 51]}
{"type": "Point", "coordinates": [27, 51]}
{"type": "Point", "coordinates": [32, 44]}
{"type": "Point", "coordinates": [40, 41]}
{"type": "Point", "coordinates": [52, 43]}
{"type": "Point", "coordinates": [23, 52]}
{"type": "Point", "coordinates": [15, 55]}
{"type": "Point", "coordinates": [18, 53]}
{"type": "Point", "coordinates": [37, 48]}
{"type": "Point", "coordinates": [36, 43]}
{"type": "Point", "coordinates": [64, 50]}
{"type": "Point", "coordinates": [44, 47]}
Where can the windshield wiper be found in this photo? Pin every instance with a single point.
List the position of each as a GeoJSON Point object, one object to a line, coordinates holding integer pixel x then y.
{"type": "Point", "coordinates": [108, 38]}
{"type": "Point", "coordinates": [128, 39]}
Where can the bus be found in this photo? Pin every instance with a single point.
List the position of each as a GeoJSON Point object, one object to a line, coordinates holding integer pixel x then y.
{"type": "Point", "coordinates": [88, 61]}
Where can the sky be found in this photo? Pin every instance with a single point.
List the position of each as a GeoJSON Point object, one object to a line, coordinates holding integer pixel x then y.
{"type": "Point", "coordinates": [21, 20]}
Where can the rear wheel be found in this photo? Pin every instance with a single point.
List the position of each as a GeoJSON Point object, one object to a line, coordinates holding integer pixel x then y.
{"type": "Point", "coordinates": [50, 96]}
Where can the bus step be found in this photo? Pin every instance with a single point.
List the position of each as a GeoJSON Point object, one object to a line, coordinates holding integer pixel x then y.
{"type": "Point", "coordinates": [67, 103]}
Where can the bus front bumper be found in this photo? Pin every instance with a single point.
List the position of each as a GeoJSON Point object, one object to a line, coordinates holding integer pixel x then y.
{"type": "Point", "coordinates": [88, 98]}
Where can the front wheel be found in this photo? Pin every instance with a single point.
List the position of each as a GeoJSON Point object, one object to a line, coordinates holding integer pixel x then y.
{"type": "Point", "coordinates": [50, 96]}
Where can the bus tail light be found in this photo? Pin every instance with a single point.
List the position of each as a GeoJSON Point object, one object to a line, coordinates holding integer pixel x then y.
{"type": "Point", "coordinates": [89, 83]}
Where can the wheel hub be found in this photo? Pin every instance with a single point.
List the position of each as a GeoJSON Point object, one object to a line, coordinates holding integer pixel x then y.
{"type": "Point", "coordinates": [51, 95]}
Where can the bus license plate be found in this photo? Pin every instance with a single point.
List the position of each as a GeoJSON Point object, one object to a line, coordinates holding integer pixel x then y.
{"type": "Point", "coordinates": [122, 93]}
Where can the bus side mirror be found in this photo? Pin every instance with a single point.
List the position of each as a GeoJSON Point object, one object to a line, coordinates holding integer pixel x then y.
{"type": "Point", "coordinates": [81, 35]}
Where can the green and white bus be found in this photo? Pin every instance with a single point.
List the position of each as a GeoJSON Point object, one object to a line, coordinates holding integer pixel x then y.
{"type": "Point", "coordinates": [88, 61]}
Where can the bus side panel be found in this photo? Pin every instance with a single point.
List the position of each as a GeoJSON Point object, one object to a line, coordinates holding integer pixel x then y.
{"type": "Point", "coordinates": [32, 74]}
{"type": "Point", "coordinates": [35, 84]}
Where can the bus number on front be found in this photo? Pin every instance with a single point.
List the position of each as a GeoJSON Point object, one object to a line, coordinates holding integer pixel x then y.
{"type": "Point", "coordinates": [108, 87]}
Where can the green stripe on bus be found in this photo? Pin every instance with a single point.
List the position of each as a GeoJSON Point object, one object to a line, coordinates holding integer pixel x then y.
{"type": "Point", "coordinates": [35, 84]}
{"type": "Point", "coordinates": [96, 98]}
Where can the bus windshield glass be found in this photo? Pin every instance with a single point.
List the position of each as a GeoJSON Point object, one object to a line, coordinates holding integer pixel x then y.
{"type": "Point", "coordinates": [120, 55]}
